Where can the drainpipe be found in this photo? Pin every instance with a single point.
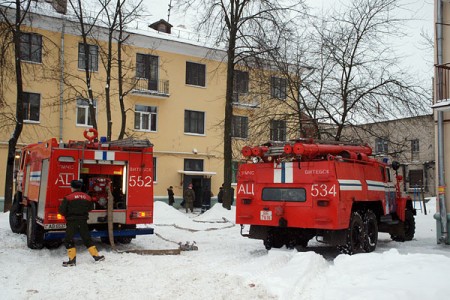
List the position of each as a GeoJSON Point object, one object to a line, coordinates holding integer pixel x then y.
{"type": "Point", "coordinates": [61, 81]}
{"type": "Point", "coordinates": [441, 174]}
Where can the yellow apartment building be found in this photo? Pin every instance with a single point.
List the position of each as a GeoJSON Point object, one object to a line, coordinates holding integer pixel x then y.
{"type": "Point", "coordinates": [176, 98]}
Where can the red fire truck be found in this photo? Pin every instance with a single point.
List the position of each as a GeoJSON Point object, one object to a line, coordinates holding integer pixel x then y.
{"type": "Point", "coordinates": [117, 174]}
{"type": "Point", "coordinates": [338, 193]}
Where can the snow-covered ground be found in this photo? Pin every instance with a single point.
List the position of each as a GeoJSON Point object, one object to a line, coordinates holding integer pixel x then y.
{"type": "Point", "coordinates": [227, 266]}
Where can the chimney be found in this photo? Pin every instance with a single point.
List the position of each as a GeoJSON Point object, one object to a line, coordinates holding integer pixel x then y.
{"type": "Point", "coordinates": [60, 6]}
{"type": "Point", "coordinates": [161, 26]}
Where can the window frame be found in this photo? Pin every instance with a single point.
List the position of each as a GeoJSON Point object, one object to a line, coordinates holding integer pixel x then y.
{"type": "Point", "coordinates": [194, 76]}
{"type": "Point", "coordinates": [381, 145]}
{"type": "Point", "coordinates": [278, 88]}
{"type": "Point", "coordinates": [190, 164]}
{"type": "Point", "coordinates": [152, 118]}
{"type": "Point", "coordinates": [238, 128]}
{"type": "Point", "coordinates": [81, 55]}
{"type": "Point", "coordinates": [27, 111]}
{"type": "Point", "coordinates": [26, 47]}
{"type": "Point", "coordinates": [283, 191]}
{"type": "Point", "coordinates": [415, 146]}
{"type": "Point", "coordinates": [86, 109]}
{"type": "Point", "coordinates": [276, 131]}
{"type": "Point", "coordinates": [188, 122]}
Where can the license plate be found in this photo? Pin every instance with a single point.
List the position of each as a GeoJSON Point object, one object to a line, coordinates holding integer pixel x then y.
{"type": "Point", "coordinates": [265, 215]}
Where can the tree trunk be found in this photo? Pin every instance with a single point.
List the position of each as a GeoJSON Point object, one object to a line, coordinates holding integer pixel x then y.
{"type": "Point", "coordinates": [12, 143]}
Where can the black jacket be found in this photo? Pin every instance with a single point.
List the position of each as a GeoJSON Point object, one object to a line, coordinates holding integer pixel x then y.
{"type": "Point", "coordinates": [76, 206]}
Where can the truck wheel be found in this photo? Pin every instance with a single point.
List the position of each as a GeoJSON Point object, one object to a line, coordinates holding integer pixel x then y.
{"type": "Point", "coordinates": [355, 236]}
{"type": "Point", "coordinates": [35, 232]}
{"type": "Point", "coordinates": [370, 231]}
{"type": "Point", "coordinates": [16, 221]}
{"type": "Point", "coordinates": [410, 225]}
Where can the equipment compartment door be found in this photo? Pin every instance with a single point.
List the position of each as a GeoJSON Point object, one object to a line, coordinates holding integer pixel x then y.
{"type": "Point", "coordinates": [43, 189]}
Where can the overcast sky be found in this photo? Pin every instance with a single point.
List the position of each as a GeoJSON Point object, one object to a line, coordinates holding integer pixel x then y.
{"type": "Point", "coordinates": [416, 56]}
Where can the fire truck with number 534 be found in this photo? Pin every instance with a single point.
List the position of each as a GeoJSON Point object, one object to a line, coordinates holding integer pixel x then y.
{"type": "Point", "coordinates": [290, 193]}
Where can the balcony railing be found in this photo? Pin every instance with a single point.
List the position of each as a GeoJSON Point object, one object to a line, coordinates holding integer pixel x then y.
{"type": "Point", "coordinates": [144, 86]}
{"type": "Point", "coordinates": [243, 99]}
{"type": "Point", "coordinates": [442, 82]}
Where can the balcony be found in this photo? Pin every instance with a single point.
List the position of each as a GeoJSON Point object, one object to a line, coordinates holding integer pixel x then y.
{"type": "Point", "coordinates": [442, 83]}
{"type": "Point", "coordinates": [244, 100]}
{"type": "Point", "coordinates": [151, 88]}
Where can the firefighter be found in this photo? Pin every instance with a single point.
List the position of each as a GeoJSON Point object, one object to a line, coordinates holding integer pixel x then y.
{"type": "Point", "coordinates": [75, 208]}
{"type": "Point", "coordinates": [189, 198]}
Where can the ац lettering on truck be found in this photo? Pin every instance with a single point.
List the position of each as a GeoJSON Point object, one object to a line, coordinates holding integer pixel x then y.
{"type": "Point", "coordinates": [118, 175]}
{"type": "Point", "coordinates": [289, 194]}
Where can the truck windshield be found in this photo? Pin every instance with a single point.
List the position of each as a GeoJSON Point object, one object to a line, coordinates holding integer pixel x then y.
{"type": "Point", "coordinates": [284, 194]}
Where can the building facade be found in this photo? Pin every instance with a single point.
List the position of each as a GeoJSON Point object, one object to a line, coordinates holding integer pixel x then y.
{"type": "Point", "coordinates": [410, 141]}
{"type": "Point", "coordinates": [176, 97]}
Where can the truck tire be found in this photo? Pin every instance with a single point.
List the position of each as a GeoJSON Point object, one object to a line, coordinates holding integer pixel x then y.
{"type": "Point", "coordinates": [370, 231]}
{"type": "Point", "coordinates": [35, 232]}
{"type": "Point", "coordinates": [16, 221]}
{"type": "Point", "coordinates": [355, 235]}
{"type": "Point", "coordinates": [408, 230]}
{"type": "Point", "coordinates": [410, 225]}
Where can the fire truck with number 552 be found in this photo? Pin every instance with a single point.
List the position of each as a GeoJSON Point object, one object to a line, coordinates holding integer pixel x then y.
{"type": "Point", "coordinates": [338, 193]}
{"type": "Point", "coordinates": [116, 174]}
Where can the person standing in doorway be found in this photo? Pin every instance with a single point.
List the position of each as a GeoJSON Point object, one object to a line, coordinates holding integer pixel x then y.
{"type": "Point", "coordinates": [171, 195]}
{"type": "Point", "coordinates": [75, 208]}
{"type": "Point", "coordinates": [220, 195]}
{"type": "Point", "coordinates": [206, 201]}
{"type": "Point", "coordinates": [189, 198]}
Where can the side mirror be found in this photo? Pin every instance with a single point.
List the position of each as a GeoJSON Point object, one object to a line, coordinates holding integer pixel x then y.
{"type": "Point", "coordinates": [395, 165]}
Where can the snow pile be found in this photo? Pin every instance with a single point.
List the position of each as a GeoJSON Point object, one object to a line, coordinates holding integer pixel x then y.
{"type": "Point", "coordinates": [227, 265]}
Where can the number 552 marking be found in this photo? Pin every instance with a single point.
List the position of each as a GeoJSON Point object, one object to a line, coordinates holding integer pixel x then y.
{"type": "Point", "coordinates": [140, 181]}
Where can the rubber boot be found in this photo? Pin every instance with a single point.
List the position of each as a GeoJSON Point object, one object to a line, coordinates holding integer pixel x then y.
{"type": "Point", "coordinates": [72, 253]}
{"type": "Point", "coordinates": [93, 251]}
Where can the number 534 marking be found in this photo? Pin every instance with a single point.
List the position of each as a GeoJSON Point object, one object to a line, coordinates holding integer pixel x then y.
{"type": "Point", "coordinates": [323, 190]}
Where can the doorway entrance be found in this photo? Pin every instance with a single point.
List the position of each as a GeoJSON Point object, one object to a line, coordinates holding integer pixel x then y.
{"type": "Point", "coordinates": [198, 184]}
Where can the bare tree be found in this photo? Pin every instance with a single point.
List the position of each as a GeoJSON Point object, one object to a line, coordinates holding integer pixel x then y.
{"type": "Point", "coordinates": [357, 77]}
{"type": "Point", "coordinates": [12, 21]}
{"type": "Point", "coordinates": [87, 20]}
{"type": "Point", "coordinates": [116, 17]}
{"type": "Point", "coordinates": [243, 27]}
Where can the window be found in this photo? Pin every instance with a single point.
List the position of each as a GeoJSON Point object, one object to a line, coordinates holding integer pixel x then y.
{"type": "Point", "coordinates": [93, 57]}
{"type": "Point", "coordinates": [154, 169]}
{"type": "Point", "coordinates": [278, 130]}
{"type": "Point", "coordinates": [147, 68]}
{"type": "Point", "coordinates": [234, 171]}
{"type": "Point", "coordinates": [195, 74]}
{"type": "Point", "coordinates": [278, 88]}
{"type": "Point", "coordinates": [381, 145]}
{"type": "Point", "coordinates": [284, 194]}
{"type": "Point", "coordinates": [194, 122]}
{"type": "Point", "coordinates": [145, 117]}
{"type": "Point", "coordinates": [83, 116]}
{"type": "Point", "coordinates": [193, 164]}
{"type": "Point", "coordinates": [240, 82]}
{"type": "Point", "coordinates": [239, 127]}
{"type": "Point", "coordinates": [416, 178]}
{"type": "Point", "coordinates": [31, 47]}
{"type": "Point", "coordinates": [415, 146]}
{"type": "Point", "coordinates": [31, 106]}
